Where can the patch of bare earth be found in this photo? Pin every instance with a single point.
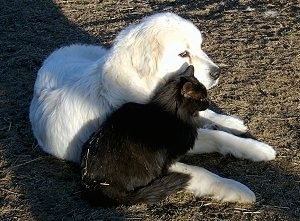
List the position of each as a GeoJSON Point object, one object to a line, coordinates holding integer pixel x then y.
{"type": "Point", "coordinates": [256, 44]}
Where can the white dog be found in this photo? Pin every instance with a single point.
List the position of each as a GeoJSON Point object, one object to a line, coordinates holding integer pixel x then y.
{"type": "Point", "coordinates": [78, 86]}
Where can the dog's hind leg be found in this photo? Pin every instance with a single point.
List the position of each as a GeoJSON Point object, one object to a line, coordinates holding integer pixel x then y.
{"type": "Point", "coordinates": [204, 183]}
{"type": "Point", "coordinates": [209, 141]}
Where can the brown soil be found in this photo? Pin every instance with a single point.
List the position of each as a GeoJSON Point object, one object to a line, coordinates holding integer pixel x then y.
{"type": "Point", "coordinates": [256, 44]}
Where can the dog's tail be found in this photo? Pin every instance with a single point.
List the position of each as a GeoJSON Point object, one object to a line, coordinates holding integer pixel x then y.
{"type": "Point", "coordinates": [159, 189]}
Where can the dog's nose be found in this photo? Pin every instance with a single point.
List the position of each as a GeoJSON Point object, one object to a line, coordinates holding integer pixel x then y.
{"type": "Point", "coordinates": [215, 73]}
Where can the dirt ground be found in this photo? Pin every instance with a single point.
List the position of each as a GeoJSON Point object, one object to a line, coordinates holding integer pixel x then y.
{"type": "Point", "coordinates": [256, 44]}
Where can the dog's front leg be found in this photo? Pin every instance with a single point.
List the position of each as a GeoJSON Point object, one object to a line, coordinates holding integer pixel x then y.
{"type": "Point", "coordinates": [230, 124]}
{"type": "Point", "coordinates": [209, 141]}
{"type": "Point", "coordinates": [205, 183]}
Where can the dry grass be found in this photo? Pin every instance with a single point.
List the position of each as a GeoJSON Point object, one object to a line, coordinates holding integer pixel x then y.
{"type": "Point", "coordinates": [258, 50]}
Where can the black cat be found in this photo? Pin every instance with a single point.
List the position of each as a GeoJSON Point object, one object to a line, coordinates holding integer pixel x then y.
{"type": "Point", "coordinates": [127, 160]}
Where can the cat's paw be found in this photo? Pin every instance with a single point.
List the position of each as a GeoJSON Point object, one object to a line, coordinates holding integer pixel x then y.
{"type": "Point", "coordinates": [228, 190]}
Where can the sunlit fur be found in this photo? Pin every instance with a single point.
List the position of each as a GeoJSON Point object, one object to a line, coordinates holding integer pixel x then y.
{"type": "Point", "coordinates": [79, 85]}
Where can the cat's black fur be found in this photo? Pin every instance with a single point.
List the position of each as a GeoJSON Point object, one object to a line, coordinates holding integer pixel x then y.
{"type": "Point", "coordinates": [127, 160]}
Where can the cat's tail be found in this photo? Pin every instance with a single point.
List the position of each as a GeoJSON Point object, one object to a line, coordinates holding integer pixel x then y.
{"type": "Point", "coordinates": [159, 188]}
{"type": "Point", "coordinates": [155, 191]}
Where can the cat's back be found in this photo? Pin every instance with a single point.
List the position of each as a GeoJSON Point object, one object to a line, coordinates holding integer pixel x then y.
{"type": "Point", "coordinates": [131, 114]}
{"type": "Point", "coordinates": [146, 124]}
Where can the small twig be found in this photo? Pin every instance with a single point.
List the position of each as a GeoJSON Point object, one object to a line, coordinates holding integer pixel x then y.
{"type": "Point", "coordinates": [27, 162]}
{"type": "Point", "coordinates": [9, 126]}
{"type": "Point", "coordinates": [77, 192]}
{"type": "Point", "coordinates": [240, 209]}
{"type": "Point", "coordinates": [279, 207]}
{"type": "Point", "coordinates": [238, 39]}
{"type": "Point", "coordinates": [255, 212]}
{"type": "Point", "coordinates": [246, 211]}
{"type": "Point", "coordinates": [126, 218]}
{"type": "Point", "coordinates": [286, 118]}
{"type": "Point", "coordinates": [9, 191]}
{"type": "Point", "coordinates": [34, 146]}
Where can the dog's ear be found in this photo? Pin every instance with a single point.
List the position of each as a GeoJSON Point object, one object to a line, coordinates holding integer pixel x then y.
{"type": "Point", "coordinates": [146, 52]}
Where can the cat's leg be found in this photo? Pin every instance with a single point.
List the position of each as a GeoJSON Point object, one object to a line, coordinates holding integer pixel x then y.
{"type": "Point", "coordinates": [204, 183]}
{"type": "Point", "coordinates": [209, 141]}
{"type": "Point", "coordinates": [230, 124]}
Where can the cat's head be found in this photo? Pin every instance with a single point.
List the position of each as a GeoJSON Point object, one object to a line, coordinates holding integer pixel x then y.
{"type": "Point", "coordinates": [193, 94]}
{"type": "Point", "coordinates": [181, 94]}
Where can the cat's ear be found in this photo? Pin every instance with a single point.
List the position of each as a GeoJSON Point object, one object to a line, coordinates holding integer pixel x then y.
{"type": "Point", "coordinates": [189, 71]}
{"type": "Point", "coordinates": [188, 91]}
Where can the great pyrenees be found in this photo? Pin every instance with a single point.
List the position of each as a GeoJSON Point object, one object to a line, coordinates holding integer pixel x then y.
{"type": "Point", "coordinates": [78, 86]}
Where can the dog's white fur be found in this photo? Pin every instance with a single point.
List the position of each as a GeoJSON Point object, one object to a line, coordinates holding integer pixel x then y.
{"type": "Point", "coordinates": [78, 86]}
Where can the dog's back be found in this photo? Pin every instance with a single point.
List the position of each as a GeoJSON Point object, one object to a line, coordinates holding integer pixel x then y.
{"type": "Point", "coordinates": [67, 65]}
{"type": "Point", "coordinates": [63, 91]}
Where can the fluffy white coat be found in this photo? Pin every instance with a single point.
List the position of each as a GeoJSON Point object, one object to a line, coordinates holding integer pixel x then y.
{"type": "Point", "coordinates": [79, 85]}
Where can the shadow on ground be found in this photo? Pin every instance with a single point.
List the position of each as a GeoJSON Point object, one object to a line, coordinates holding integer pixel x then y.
{"type": "Point", "coordinates": [35, 186]}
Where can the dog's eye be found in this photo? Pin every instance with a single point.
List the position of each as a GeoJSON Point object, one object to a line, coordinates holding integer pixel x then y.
{"type": "Point", "coordinates": [184, 54]}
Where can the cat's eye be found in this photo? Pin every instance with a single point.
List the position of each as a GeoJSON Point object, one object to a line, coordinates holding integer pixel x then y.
{"type": "Point", "coordinates": [184, 54]}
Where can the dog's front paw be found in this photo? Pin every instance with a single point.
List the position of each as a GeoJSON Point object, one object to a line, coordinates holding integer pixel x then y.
{"type": "Point", "coordinates": [259, 151]}
{"type": "Point", "coordinates": [232, 191]}
{"type": "Point", "coordinates": [229, 124]}
{"type": "Point", "coordinates": [234, 125]}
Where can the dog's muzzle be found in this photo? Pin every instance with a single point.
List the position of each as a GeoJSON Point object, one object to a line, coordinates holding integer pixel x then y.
{"type": "Point", "coordinates": [215, 73]}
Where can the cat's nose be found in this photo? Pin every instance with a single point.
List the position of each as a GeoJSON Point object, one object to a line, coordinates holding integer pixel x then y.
{"type": "Point", "coordinates": [203, 91]}
{"type": "Point", "coordinates": [215, 72]}
{"type": "Point", "coordinates": [204, 104]}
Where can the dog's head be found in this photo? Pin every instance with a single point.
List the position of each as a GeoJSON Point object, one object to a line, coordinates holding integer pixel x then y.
{"type": "Point", "coordinates": [181, 45]}
{"type": "Point", "coordinates": [165, 43]}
